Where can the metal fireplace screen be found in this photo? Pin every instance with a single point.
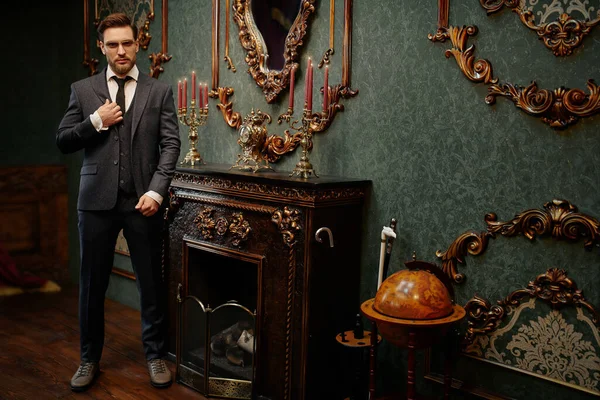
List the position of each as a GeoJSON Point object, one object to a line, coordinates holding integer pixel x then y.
{"type": "Point", "coordinates": [217, 331]}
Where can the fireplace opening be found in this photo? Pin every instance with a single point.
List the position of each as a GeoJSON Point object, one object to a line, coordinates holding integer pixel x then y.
{"type": "Point", "coordinates": [217, 330]}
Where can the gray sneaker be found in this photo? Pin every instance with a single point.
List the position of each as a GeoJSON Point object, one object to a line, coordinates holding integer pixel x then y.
{"type": "Point", "coordinates": [85, 376]}
{"type": "Point", "coordinates": [160, 375]}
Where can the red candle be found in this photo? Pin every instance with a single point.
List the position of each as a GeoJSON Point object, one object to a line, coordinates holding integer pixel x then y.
{"type": "Point", "coordinates": [292, 79]}
{"type": "Point", "coordinates": [193, 85]}
{"type": "Point", "coordinates": [205, 95]}
{"type": "Point", "coordinates": [310, 84]}
{"type": "Point", "coordinates": [306, 84]}
{"type": "Point", "coordinates": [326, 90]}
{"type": "Point", "coordinates": [179, 94]}
{"type": "Point", "coordinates": [185, 93]}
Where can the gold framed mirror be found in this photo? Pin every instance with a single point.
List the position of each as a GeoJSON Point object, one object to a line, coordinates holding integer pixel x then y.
{"type": "Point", "coordinates": [272, 32]}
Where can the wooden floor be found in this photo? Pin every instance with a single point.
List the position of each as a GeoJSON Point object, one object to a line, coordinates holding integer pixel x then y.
{"type": "Point", "coordinates": [39, 352]}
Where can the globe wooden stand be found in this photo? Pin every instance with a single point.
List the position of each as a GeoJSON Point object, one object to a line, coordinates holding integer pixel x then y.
{"type": "Point", "coordinates": [411, 334]}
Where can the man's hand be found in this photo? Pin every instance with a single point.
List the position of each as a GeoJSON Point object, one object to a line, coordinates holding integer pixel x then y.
{"type": "Point", "coordinates": [110, 113]}
{"type": "Point", "coordinates": [147, 206]}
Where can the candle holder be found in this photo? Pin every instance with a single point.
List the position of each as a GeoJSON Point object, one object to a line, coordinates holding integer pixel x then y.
{"type": "Point", "coordinates": [193, 121]}
{"type": "Point", "coordinates": [304, 168]}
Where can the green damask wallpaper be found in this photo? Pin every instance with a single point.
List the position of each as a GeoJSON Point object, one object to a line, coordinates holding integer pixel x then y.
{"type": "Point", "coordinates": [439, 157]}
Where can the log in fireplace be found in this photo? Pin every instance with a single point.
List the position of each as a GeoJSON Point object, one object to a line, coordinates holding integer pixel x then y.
{"type": "Point", "coordinates": [255, 297]}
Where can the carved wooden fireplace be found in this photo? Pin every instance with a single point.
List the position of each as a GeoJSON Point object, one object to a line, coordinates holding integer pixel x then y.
{"type": "Point", "coordinates": [252, 253]}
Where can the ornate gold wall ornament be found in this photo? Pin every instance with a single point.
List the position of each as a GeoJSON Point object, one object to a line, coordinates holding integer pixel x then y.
{"type": "Point", "coordinates": [144, 35]}
{"type": "Point", "coordinates": [561, 36]}
{"type": "Point", "coordinates": [470, 242]}
{"type": "Point", "coordinates": [482, 317]}
{"type": "Point", "coordinates": [559, 108]}
{"type": "Point", "coordinates": [559, 219]}
{"type": "Point", "coordinates": [557, 289]}
{"type": "Point", "coordinates": [272, 82]}
{"type": "Point", "coordinates": [156, 63]}
{"type": "Point", "coordinates": [475, 70]}
{"type": "Point", "coordinates": [233, 119]}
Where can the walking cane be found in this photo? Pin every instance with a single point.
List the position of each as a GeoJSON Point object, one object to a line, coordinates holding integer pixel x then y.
{"type": "Point", "coordinates": [388, 234]}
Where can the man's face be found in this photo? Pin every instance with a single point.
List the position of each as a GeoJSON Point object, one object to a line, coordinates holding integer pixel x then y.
{"type": "Point", "coordinates": [120, 48]}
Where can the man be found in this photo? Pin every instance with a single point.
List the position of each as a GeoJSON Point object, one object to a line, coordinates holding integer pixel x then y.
{"type": "Point", "coordinates": [131, 145]}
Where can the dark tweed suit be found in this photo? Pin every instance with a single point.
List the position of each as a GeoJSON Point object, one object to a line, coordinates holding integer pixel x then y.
{"type": "Point", "coordinates": [104, 210]}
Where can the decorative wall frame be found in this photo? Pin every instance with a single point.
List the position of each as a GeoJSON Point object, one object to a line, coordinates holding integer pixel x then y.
{"type": "Point", "coordinates": [563, 34]}
{"type": "Point", "coordinates": [141, 13]}
{"type": "Point", "coordinates": [559, 108]}
{"type": "Point", "coordinates": [491, 333]}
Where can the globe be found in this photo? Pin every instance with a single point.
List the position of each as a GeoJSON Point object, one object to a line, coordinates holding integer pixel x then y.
{"type": "Point", "coordinates": [414, 301]}
{"type": "Point", "coordinates": [413, 295]}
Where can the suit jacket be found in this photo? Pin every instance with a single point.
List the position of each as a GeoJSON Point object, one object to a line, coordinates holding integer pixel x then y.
{"type": "Point", "coordinates": [155, 143]}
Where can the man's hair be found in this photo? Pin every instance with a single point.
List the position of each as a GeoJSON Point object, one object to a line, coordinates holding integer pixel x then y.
{"type": "Point", "coordinates": [116, 20]}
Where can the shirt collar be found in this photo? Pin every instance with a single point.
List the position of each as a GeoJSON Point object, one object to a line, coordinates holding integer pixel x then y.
{"type": "Point", "coordinates": [134, 73]}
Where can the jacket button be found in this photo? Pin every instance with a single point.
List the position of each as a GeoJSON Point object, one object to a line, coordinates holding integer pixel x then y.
{"type": "Point", "coordinates": [116, 138]}
{"type": "Point", "coordinates": [115, 162]}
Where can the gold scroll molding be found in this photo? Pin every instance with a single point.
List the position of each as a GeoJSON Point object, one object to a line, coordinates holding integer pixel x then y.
{"type": "Point", "coordinates": [272, 82]}
{"type": "Point", "coordinates": [144, 37]}
{"type": "Point", "coordinates": [561, 36]}
{"type": "Point", "coordinates": [558, 108]}
{"type": "Point", "coordinates": [558, 219]}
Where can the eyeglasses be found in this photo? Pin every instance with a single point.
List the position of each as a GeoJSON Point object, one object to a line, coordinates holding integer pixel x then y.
{"type": "Point", "coordinates": [115, 45]}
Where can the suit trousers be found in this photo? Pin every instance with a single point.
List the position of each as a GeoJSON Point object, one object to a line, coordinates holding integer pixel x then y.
{"type": "Point", "coordinates": [98, 231]}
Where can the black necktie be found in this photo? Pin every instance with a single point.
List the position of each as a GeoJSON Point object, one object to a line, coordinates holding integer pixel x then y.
{"type": "Point", "coordinates": [121, 92]}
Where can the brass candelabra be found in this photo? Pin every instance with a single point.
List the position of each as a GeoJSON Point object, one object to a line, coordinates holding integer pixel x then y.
{"type": "Point", "coordinates": [304, 168]}
{"type": "Point", "coordinates": [193, 121]}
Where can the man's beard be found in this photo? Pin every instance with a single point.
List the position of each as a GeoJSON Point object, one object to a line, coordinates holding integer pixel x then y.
{"type": "Point", "coordinates": [121, 69]}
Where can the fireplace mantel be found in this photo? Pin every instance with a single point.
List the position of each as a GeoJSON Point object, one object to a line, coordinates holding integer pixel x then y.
{"type": "Point", "coordinates": [308, 291]}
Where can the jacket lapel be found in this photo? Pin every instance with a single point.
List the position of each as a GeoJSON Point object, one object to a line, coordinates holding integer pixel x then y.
{"type": "Point", "coordinates": [100, 86]}
{"type": "Point", "coordinates": [142, 92]}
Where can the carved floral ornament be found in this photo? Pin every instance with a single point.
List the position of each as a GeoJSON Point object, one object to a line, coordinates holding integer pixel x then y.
{"type": "Point", "coordinates": [558, 108]}
{"type": "Point", "coordinates": [239, 228]}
